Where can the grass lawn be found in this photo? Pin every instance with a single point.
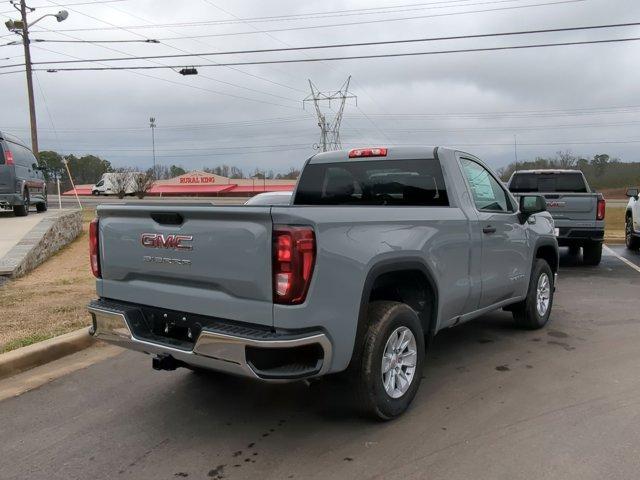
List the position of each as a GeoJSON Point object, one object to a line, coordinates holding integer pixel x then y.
{"type": "Point", "coordinates": [50, 300]}
{"type": "Point", "coordinates": [614, 224]}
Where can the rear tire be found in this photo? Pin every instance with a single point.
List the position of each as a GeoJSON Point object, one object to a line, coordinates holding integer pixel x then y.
{"type": "Point", "coordinates": [22, 210]}
{"type": "Point", "coordinates": [42, 206]}
{"type": "Point", "coordinates": [632, 242]}
{"type": "Point", "coordinates": [592, 253]}
{"type": "Point", "coordinates": [533, 312]}
{"type": "Point", "coordinates": [388, 373]}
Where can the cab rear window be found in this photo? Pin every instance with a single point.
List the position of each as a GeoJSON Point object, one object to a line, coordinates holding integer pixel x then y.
{"type": "Point", "coordinates": [548, 182]}
{"type": "Point", "coordinates": [377, 182]}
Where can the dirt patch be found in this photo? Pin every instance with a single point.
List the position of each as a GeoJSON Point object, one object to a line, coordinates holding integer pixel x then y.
{"type": "Point", "coordinates": [50, 300]}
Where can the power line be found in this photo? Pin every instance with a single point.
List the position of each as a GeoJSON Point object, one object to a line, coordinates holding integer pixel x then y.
{"type": "Point", "coordinates": [511, 128]}
{"type": "Point", "coordinates": [349, 45]}
{"type": "Point", "coordinates": [187, 85]}
{"type": "Point", "coordinates": [310, 27]}
{"type": "Point", "coordinates": [534, 144]}
{"type": "Point", "coordinates": [352, 57]}
{"type": "Point", "coordinates": [214, 153]}
{"type": "Point", "coordinates": [68, 5]}
{"type": "Point", "coordinates": [357, 11]}
{"type": "Point", "coordinates": [349, 24]}
{"type": "Point", "coordinates": [184, 51]}
{"type": "Point", "coordinates": [42, 40]}
{"type": "Point", "coordinates": [193, 86]}
{"type": "Point", "coordinates": [269, 35]}
{"type": "Point", "coordinates": [178, 49]}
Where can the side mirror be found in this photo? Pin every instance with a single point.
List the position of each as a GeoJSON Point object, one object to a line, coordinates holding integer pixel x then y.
{"type": "Point", "coordinates": [530, 205]}
{"type": "Point", "coordinates": [35, 166]}
{"type": "Point", "coordinates": [632, 193]}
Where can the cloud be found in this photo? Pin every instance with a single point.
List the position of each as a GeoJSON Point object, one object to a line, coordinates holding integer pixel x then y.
{"type": "Point", "coordinates": [252, 116]}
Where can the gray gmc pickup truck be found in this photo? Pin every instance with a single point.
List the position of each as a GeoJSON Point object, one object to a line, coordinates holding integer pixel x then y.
{"type": "Point", "coordinates": [378, 251]}
{"type": "Point", "coordinates": [578, 212]}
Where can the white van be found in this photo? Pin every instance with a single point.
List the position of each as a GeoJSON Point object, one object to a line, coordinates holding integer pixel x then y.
{"type": "Point", "coordinates": [107, 184]}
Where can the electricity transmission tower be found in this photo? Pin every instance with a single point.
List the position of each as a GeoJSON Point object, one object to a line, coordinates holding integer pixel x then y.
{"type": "Point", "coordinates": [329, 129]}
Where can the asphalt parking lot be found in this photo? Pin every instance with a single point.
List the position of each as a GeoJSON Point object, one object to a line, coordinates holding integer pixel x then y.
{"type": "Point", "coordinates": [495, 403]}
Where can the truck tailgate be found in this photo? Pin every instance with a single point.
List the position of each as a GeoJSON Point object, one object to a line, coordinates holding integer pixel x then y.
{"type": "Point", "coordinates": [572, 207]}
{"type": "Point", "coordinates": [200, 259]}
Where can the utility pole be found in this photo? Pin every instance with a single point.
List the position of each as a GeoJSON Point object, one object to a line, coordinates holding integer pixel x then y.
{"type": "Point", "coordinates": [21, 28]}
{"type": "Point", "coordinates": [152, 124]}
{"type": "Point", "coordinates": [27, 63]}
{"type": "Point", "coordinates": [329, 130]}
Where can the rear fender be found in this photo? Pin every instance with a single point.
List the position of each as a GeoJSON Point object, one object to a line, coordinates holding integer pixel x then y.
{"type": "Point", "coordinates": [390, 266]}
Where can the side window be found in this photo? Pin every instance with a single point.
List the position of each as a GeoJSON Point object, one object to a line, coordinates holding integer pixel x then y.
{"type": "Point", "coordinates": [29, 158]}
{"type": "Point", "coordinates": [21, 155]}
{"type": "Point", "coordinates": [487, 193]}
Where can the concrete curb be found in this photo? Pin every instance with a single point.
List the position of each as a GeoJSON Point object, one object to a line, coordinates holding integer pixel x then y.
{"type": "Point", "coordinates": [25, 358]}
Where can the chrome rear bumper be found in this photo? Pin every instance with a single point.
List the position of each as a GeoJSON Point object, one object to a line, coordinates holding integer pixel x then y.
{"type": "Point", "coordinates": [214, 350]}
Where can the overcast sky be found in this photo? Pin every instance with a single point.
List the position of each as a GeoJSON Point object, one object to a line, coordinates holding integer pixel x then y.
{"type": "Point", "coordinates": [579, 98]}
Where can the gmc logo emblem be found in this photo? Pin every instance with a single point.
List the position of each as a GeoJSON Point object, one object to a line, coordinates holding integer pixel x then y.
{"type": "Point", "coordinates": [556, 204]}
{"type": "Point", "coordinates": [174, 242]}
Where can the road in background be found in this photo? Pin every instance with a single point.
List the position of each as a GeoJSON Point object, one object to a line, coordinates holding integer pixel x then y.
{"type": "Point", "coordinates": [496, 402]}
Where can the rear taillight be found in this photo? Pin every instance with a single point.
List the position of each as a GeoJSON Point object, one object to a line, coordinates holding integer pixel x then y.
{"type": "Point", "coordinates": [601, 208]}
{"type": "Point", "coordinates": [8, 158]}
{"type": "Point", "coordinates": [94, 250]}
{"type": "Point", "coordinates": [294, 256]}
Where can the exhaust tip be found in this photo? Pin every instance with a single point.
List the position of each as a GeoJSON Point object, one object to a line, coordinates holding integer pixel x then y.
{"type": "Point", "coordinates": [164, 362]}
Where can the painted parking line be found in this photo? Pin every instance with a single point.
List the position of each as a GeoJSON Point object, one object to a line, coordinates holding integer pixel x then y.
{"type": "Point", "coordinates": [628, 262]}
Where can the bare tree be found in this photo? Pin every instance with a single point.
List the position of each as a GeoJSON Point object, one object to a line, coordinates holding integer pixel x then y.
{"type": "Point", "coordinates": [566, 159]}
{"type": "Point", "coordinates": [121, 181]}
{"type": "Point", "coordinates": [142, 182]}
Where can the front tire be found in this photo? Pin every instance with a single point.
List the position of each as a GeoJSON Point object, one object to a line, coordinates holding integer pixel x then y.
{"type": "Point", "coordinates": [388, 373]}
{"type": "Point", "coordinates": [533, 313]}
{"type": "Point", "coordinates": [592, 253]}
{"type": "Point", "coordinates": [632, 242]}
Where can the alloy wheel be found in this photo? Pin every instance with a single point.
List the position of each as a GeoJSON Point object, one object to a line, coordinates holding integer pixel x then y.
{"type": "Point", "coordinates": [543, 294]}
{"type": "Point", "coordinates": [399, 362]}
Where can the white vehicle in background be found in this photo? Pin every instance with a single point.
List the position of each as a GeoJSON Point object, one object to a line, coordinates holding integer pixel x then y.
{"type": "Point", "coordinates": [270, 198]}
{"type": "Point", "coordinates": [108, 184]}
{"type": "Point", "coordinates": [632, 220]}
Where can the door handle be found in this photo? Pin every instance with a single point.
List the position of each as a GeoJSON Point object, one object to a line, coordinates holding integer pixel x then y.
{"type": "Point", "coordinates": [489, 229]}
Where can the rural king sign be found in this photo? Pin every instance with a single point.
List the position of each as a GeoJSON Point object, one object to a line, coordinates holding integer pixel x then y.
{"type": "Point", "coordinates": [197, 178]}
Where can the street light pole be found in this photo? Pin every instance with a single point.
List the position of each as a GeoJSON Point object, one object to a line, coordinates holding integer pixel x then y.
{"type": "Point", "coordinates": [27, 63]}
{"type": "Point", "coordinates": [21, 27]}
{"type": "Point", "coordinates": [152, 124]}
